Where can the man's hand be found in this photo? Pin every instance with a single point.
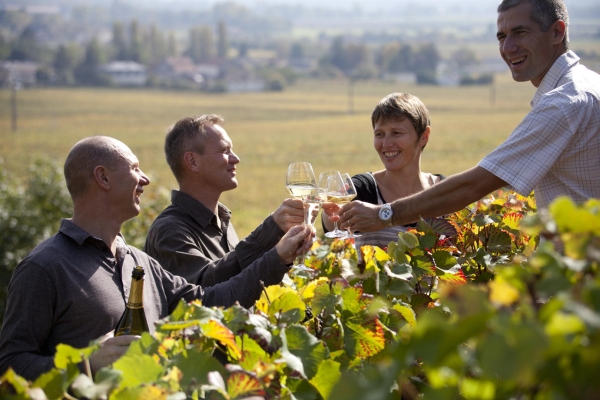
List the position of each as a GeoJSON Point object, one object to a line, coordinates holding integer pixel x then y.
{"type": "Point", "coordinates": [295, 242]}
{"type": "Point", "coordinates": [289, 213]}
{"type": "Point", "coordinates": [360, 216]}
{"type": "Point", "coordinates": [111, 349]}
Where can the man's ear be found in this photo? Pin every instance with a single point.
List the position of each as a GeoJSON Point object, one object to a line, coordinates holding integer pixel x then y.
{"type": "Point", "coordinates": [190, 161]}
{"type": "Point", "coordinates": [559, 29]}
{"type": "Point", "coordinates": [101, 177]}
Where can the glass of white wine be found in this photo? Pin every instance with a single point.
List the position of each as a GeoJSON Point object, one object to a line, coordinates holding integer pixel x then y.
{"type": "Point", "coordinates": [336, 193]}
{"type": "Point", "coordinates": [301, 183]}
{"type": "Point", "coordinates": [351, 194]}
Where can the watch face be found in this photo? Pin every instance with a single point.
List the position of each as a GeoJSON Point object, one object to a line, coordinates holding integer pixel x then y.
{"type": "Point", "coordinates": [385, 213]}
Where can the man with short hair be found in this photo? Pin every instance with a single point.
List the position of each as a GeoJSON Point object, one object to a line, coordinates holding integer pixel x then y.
{"type": "Point", "coordinates": [554, 150]}
{"type": "Point", "coordinates": [194, 236]}
{"type": "Point", "coordinates": [72, 288]}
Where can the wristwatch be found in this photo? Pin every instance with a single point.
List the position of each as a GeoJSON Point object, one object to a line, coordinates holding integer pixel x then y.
{"type": "Point", "coordinates": [386, 214]}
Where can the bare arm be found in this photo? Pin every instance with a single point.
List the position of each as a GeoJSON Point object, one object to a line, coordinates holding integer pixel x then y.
{"type": "Point", "coordinates": [450, 195]}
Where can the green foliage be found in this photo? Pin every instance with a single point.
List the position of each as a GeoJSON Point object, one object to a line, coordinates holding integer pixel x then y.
{"type": "Point", "coordinates": [462, 307]}
{"type": "Point", "coordinates": [29, 213]}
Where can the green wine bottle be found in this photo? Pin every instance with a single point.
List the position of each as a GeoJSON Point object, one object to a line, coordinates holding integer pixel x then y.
{"type": "Point", "coordinates": [133, 321]}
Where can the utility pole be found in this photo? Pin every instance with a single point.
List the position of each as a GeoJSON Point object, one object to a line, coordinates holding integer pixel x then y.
{"type": "Point", "coordinates": [13, 86]}
{"type": "Point", "coordinates": [493, 90]}
{"type": "Point", "coordinates": [350, 95]}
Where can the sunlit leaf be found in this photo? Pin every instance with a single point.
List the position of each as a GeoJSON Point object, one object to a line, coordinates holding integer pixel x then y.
{"type": "Point", "coordinates": [407, 313]}
{"type": "Point", "coordinates": [177, 325]}
{"type": "Point", "coordinates": [562, 324]}
{"type": "Point", "coordinates": [351, 299]}
{"type": "Point", "coordinates": [423, 266]}
{"type": "Point", "coordinates": [147, 392]}
{"type": "Point", "coordinates": [67, 355]}
{"type": "Point", "coordinates": [309, 290]}
{"type": "Point", "coordinates": [444, 260]}
{"type": "Point", "coordinates": [138, 369]}
{"type": "Point", "coordinates": [502, 292]}
{"type": "Point", "coordinates": [478, 389]}
{"type": "Point", "coordinates": [326, 377]}
{"type": "Point", "coordinates": [324, 300]}
{"type": "Point", "coordinates": [307, 348]}
{"type": "Point", "coordinates": [398, 271]}
{"type": "Point", "coordinates": [453, 276]}
{"type": "Point", "coordinates": [364, 339]}
{"type": "Point", "coordinates": [512, 220]}
{"type": "Point", "coordinates": [216, 330]}
{"type": "Point", "coordinates": [269, 295]}
{"type": "Point", "coordinates": [408, 239]}
{"type": "Point", "coordinates": [572, 218]}
{"type": "Point", "coordinates": [195, 366]}
{"type": "Point", "coordinates": [288, 308]}
{"type": "Point", "coordinates": [241, 384]}
{"type": "Point", "coordinates": [56, 381]}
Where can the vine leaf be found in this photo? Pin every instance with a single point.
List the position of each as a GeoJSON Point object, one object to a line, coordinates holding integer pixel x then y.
{"type": "Point", "coordinates": [327, 376]}
{"type": "Point", "coordinates": [138, 369]}
{"type": "Point", "coordinates": [364, 339]}
{"type": "Point", "coordinates": [311, 351]}
{"type": "Point", "coordinates": [216, 330]}
{"type": "Point", "coordinates": [436, 226]}
{"type": "Point", "coordinates": [241, 384]}
{"type": "Point", "coordinates": [454, 276]}
{"type": "Point", "coordinates": [407, 313]}
{"type": "Point", "coordinates": [499, 241]}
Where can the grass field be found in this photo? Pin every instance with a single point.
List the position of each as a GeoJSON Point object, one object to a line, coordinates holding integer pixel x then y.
{"type": "Point", "coordinates": [307, 122]}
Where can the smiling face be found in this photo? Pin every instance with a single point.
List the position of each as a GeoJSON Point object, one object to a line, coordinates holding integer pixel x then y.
{"type": "Point", "coordinates": [527, 50]}
{"type": "Point", "coordinates": [217, 163]}
{"type": "Point", "coordinates": [127, 183]}
{"type": "Point", "coordinates": [397, 143]}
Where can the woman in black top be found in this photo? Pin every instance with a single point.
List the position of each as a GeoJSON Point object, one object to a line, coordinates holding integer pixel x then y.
{"type": "Point", "coordinates": [401, 129]}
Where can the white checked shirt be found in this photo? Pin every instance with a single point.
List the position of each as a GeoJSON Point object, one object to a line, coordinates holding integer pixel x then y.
{"type": "Point", "coordinates": [556, 148]}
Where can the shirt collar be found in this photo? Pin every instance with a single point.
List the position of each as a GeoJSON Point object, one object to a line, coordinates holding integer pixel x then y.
{"type": "Point", "coordinates": [198, 211]}
{"type": "Point", "coordinates": [68, 228]}
{"type": "Point", "coordinates": [556, 72]}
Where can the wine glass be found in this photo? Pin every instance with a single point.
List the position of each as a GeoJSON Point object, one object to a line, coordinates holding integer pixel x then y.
{"type": "Point", "coordinates": [301, 182]}
{"type": "Point", "coordinates": [351, 194]}
{"type": "Point", "coordinates": [336, 193]}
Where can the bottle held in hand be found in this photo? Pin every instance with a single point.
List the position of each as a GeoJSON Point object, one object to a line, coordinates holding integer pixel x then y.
{"type": "Point", "coordinates": [133, 321]}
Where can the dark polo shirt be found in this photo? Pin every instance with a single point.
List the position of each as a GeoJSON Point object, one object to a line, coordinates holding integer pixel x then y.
{"type": "Point", "coordinates": [187, 240]}
{"type": "Point", "coordinates": [71, 289]}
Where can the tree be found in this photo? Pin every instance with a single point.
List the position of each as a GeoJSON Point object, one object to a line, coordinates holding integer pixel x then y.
{"type": "Point", "coordinates": [4, 48]}
{"type": "Point", "coordinates": [65, 61]}
{"type": "Point", "coordinates": [26, 47]}
{"type": "Point", "coordinates": [222, 41]}
{"type": "Point", "coordinates": [201, 44]}
{"type": "Point", "coordinates": [87, 71]}
{"type": "Point", "coordinates": [464, 57]}
{"type": "Point", "coordinates": [297, 50]}
{"type": "Point", "coordinates": [138, 51]}
{"type": "Point", "coordinates": [157, 45]}
{"type": "Point", "coordinates": [171, 45]}
{"type": "Point", "coordinates": [348, 57]}
{"type": "Point", "coordinates": [426, 62]}
{"type": "Point", "coordinates": [119, 41]}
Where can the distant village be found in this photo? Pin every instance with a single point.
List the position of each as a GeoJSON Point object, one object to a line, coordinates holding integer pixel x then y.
{"type": "Point", "coordinates": [212, 56]}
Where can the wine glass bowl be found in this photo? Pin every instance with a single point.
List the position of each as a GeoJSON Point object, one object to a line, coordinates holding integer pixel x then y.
{"type": "Point", "coordinates": [301, 183]}
{"type": "Point", "coordinates": [336, 193]}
